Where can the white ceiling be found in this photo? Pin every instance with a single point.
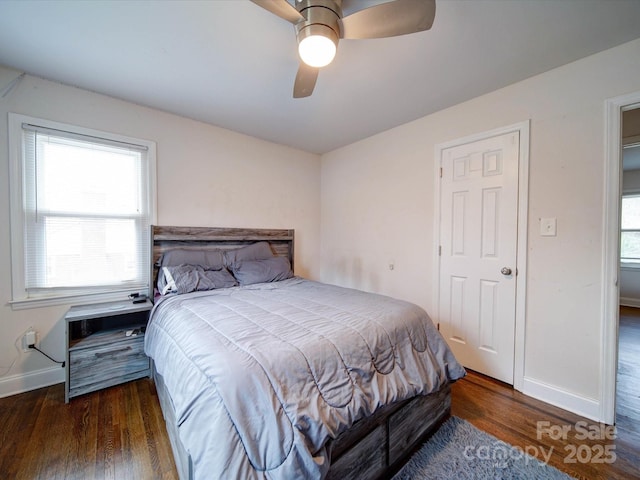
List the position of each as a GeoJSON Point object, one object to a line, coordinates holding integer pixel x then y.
{"type": "Point", "coordinates": [232, 64]}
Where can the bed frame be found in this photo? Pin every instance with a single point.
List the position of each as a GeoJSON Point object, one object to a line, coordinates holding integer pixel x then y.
{"type": "Point", "coordinates": [375, 447]}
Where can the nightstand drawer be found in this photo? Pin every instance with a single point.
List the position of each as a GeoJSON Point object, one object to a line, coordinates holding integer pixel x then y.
{"type": "Point", "coordinates": [99, 367]}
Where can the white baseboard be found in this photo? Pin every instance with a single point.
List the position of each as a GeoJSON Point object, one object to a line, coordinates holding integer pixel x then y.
{"type": "Point", "coordinates": [30, 381]}
{"type": "Point", "coordinates": [630, 302]}
{"type": "Point", "coordinates": [583, 406]}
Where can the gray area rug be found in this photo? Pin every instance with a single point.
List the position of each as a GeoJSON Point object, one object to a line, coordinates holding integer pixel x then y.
{"type": "Point", "coordinates": [460, 451]}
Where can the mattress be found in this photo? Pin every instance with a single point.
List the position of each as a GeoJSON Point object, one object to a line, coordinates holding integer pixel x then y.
{"type": "Point", "coordinates": [262, 376]}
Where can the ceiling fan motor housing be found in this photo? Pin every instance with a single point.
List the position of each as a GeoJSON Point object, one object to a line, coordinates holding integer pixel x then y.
{"type": "Point", "coordinates": [321, 17]}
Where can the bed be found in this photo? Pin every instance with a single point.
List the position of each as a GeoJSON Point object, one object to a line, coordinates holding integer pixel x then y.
{"type": "Point", "coordinates": [286, 378]}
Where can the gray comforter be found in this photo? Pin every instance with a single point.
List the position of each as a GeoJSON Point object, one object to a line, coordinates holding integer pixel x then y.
{"type": "Point", "coordinates": [262, 376]}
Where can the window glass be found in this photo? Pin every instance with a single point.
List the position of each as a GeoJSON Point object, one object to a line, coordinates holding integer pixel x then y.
{"type": "Point", "coordinates": [630, 229]}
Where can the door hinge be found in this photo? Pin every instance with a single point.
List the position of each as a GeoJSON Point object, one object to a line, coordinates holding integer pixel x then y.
{"type": "Point", "coordinates": [439, 250]}
{"type": "Point", "coordinates": [438, 326]}
{"type": "Point", "coordinates": [440, 172]}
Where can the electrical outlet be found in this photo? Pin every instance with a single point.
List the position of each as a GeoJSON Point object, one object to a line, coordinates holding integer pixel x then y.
{"type": "Point", "coordinates": [548, 227]}
{"type": "Point", "coordinates": [29, 339]}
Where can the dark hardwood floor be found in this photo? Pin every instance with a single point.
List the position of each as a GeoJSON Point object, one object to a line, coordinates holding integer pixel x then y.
{"type": "Point", "coordinates": [628, 386]}
{"type": "Point", "coordinates": [514, 418]}
{"type": "Point", "coordinates": [119, 433]}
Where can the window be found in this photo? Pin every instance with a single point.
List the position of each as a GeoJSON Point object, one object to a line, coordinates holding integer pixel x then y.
{"type": "Point", "coordinates": [630, 230]}
{"type": "Point", "coordinates": [82, 205]}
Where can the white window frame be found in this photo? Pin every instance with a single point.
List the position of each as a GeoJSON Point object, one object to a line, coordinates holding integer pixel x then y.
{"type": "Point", "coordinates": [626, 265]}
{"type": "Point", "coordinates": [20, 299]}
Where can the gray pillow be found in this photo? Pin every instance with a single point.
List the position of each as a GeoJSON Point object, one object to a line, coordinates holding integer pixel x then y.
{"type": "Point", "coordinates": [212, 259]}
{"type": "Point", "coordinates": [193, 278]}
{"type": "Point", "coordinates": [258, 271]}
{"type": "Point", "coordinates": [255, 251]}
{"type": "Point", "coordinates": [183, 256]}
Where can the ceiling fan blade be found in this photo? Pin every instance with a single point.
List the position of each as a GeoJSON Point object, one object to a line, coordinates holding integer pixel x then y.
{"type": "Point", "coordinates": [305, 80]}
{"type": "Point", "coordinates": [281, 8]}
{"type": "Point", "coordinates": [390, 19]}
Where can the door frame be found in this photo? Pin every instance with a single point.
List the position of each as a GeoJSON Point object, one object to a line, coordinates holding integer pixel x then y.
{"type": "Point", "coordinates": [522, 226]}
{"type": "Point", "coordinates": [611, 251]}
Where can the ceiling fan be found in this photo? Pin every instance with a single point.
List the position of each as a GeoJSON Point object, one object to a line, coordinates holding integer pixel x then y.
{"type": "Point", "coordinates": [319, 24]}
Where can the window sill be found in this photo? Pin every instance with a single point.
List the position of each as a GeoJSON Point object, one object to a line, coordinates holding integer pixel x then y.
{"type": "Point", "coordinates": [72, 299]}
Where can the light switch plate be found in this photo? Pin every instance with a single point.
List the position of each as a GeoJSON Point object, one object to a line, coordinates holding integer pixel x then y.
{"type": "Point", "coordinates": [548, 227]}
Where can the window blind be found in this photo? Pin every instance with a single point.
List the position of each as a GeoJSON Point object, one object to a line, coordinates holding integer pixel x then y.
{"type": "Point", "coordinates": [86, 213]}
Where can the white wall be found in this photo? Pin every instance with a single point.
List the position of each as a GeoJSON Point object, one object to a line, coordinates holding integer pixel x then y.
{"type": "Point", "coordinates": [207, 176]}
{"type": "Point", "coordinates": [377, 205]}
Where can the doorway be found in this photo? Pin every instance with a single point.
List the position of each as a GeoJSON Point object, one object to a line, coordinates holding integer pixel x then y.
{"type": "Point", "coordinates": [615, 109]}
{"type": "Point", "coordinates": [628, 376]}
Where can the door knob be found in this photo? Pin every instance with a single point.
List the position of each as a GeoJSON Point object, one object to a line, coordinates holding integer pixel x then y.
{"type": "Point", "coordinates": [505, 271]}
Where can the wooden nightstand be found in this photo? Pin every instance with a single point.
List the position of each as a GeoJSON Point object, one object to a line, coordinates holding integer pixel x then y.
{"type": "Point", "coordinates": [105, 345]}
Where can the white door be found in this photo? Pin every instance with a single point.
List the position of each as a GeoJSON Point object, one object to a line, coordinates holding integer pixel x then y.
{"type": "Point", "coordinates": [478, 242]}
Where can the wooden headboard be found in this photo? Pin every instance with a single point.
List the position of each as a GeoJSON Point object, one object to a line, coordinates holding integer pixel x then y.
{"type": "Point", "coordinates": [165, 238]}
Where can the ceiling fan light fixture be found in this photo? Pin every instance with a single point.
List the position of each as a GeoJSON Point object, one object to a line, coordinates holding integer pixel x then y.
{"type": "Point", "coordinates": [317, 45]}
{"type": "Point", "coordinates": [320, 23]}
